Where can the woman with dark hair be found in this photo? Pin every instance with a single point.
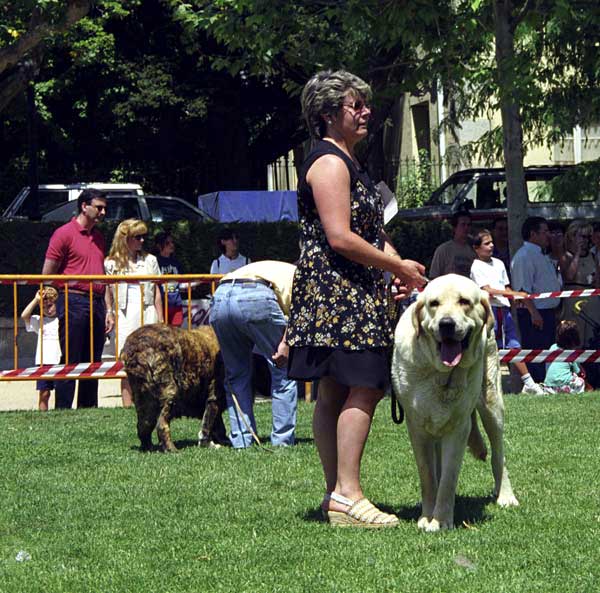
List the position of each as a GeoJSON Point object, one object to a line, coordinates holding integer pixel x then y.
{"type": "Point", "coordinates": [339, 331]}
{"type": "Point", "coordinates": [165, 246]}
{"type": "Point", "coordinates": [565, 377]}
{"type": "Point", "coordinates": [230, 259]}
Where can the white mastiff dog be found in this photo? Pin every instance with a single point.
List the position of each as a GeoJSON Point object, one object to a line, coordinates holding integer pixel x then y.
{"type": "Point", "coordinates": [445, 365]}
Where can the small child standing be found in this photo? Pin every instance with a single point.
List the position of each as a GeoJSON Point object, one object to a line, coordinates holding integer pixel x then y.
{"type": "Point", "coordinates": [565, 377]}
{"type": "Point", "coordinates": [49, 342]}
{"type": "Point", "coordinates": [169, 265]}
{"type": "Point", "coordinates": [489, 273]}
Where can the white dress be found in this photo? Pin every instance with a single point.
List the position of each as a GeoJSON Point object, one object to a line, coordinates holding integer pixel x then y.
{"type": "Point", "coordinates": [130, 297]}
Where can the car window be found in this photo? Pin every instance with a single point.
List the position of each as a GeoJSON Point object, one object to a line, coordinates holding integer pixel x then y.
{"type": "Point", "coordinates": [568, 187]}
{"type": "Point", "coordinates": [63, 213]}
{"type": "Point", "coordinates": [122, 208]}
{"type": "Point", "coordinates": [448, 194]}
{"type": "Point", "coordinates": [488, 193]}
{"type": "Point", "coordinates": [48, 199]}
{"type": "Point", "coordinates": [168, 210]}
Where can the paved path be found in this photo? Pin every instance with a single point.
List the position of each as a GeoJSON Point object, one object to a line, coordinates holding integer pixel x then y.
{"type": "Point", "coordinates": [22, 395]}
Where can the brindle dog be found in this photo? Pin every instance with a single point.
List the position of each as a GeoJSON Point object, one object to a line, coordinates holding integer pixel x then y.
{"type": "Point", "coordinates": [175, 372]}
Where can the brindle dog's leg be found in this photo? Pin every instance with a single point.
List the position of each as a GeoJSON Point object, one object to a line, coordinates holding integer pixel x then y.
{"type": "Point", "coordinates": [147, 409]}
{"type": "Point", "coordinates": [208, 419]}
{"type": "Point", "coordinates": [163, 427]}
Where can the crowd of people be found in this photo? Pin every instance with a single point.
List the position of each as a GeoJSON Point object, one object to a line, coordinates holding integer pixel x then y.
{"type": "Point", "coordinates": [552, 258]}
{"type": "Point", "coordinates": [326, 318]}
{"type": "Point", "coordinates": [78, 248]}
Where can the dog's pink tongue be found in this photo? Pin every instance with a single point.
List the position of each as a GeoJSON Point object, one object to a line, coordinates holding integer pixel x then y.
{"type": "Point", "coordinates": [451, 353]}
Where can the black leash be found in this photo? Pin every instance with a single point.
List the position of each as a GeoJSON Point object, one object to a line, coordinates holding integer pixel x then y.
{"type": "Point", "coordinates": [397, 410]}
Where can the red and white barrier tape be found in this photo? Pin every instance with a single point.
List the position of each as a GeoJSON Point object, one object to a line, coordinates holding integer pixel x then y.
{"type": "Point", "coordinates": [99, 370]}
{"type": "Point", "coordinates": [557, 294]}
{"type": "Point", "coordinates": [561, 294]}
{"type": "Point", "coordinates": [524, 355]}
{"type": "Point", "coordinates": [82, 370]}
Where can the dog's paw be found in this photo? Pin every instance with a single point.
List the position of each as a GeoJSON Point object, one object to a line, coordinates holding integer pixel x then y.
{"type": "Point", "coordinates": [423, 523]}
{"type": "Point", "coordinates": [439, 525]}
{"type": "Point", "coordinates": [507, 500]}
{"type": "Point", "coordinates": [208, 444]}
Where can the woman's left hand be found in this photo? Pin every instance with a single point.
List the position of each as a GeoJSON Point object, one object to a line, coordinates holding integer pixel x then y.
{"type": "Point", "coordinates": [411, 273]}
{"type": "Point", "coordinates": [401, 291]}
{"type": "Point", "coordinates": [109, 322]}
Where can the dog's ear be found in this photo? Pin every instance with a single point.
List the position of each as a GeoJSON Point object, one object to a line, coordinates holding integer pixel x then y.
{"type": "Point", "coordinates": [416, 315]}
{"type": "Point", "coordinates": [488, 318]}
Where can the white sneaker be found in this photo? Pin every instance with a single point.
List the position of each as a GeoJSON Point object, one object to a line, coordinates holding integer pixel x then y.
{"type": "Point", "coordinates": [532, 389]}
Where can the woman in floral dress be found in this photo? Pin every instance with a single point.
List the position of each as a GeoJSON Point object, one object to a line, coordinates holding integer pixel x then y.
{"type": "Point", "coordinates": [339, 331]}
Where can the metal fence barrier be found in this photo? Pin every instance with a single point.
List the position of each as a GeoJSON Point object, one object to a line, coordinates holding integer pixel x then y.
{"type": "Point", "coordinates": [62, 282]}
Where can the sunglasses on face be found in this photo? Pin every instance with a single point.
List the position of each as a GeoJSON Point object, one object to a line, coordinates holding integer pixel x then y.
{"type": "Point", "coordinates": [98, 207]}
{"type": "Point", "coordinates": [139, 237]}
{"type": "Point", "coordinates": [357, 105]}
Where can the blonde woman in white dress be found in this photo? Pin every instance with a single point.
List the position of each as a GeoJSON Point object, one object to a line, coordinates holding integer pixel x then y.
{"type": "Point", "coordinates": [127, 256]}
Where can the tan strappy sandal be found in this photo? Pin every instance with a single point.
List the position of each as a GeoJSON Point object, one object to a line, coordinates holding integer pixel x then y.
{"type": "Point", "coordinates": [360, 513]}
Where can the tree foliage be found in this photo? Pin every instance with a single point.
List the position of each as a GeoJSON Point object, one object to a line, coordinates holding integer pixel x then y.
{"type": "Point", "coordinates": [25, 27]}
{"type": "Point", "coordinates": [188, 96]}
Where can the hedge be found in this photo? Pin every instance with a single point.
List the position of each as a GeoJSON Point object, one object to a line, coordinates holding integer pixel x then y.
{"type": "Point", "coordinates": [23, 245]}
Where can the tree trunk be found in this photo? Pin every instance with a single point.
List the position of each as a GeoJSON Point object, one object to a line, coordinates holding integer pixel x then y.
{"type": "Point", "coordinates": [511, 122]}
{"type": "Point", "coordinates": [38, 29]}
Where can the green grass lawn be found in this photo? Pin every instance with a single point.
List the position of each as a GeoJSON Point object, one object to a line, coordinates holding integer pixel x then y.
{"type": "Point", "coordinates": [96, 515]}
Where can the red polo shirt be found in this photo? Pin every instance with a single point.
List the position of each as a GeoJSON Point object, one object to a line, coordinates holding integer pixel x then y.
{"type": "Point", "coordinates": [78, 251]}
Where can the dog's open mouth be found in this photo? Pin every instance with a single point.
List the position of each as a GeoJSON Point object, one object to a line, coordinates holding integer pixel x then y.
{"type": "Point", "coordinates": [451, 350]}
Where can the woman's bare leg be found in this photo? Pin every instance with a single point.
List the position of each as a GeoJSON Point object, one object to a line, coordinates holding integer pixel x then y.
{"type": "Point", "coordinates": [126, 397]}
{"type": "Point", "coordinates": [354, 424]}
{"type": "Point", "coordinates": [330, 399]}
{"type": "Point", "coordinates": [43, 399]}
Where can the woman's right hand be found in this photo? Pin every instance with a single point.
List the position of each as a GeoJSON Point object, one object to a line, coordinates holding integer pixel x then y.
{"type": "Point", "coordinates": [410, 273]}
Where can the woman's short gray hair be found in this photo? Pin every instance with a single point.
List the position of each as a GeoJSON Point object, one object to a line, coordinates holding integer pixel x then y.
{"type": "Point", "coordinates": [324, 94]}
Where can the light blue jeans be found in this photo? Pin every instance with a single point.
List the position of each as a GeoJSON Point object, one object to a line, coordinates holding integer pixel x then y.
{"type": "Point", "coordinates": [247, 317]}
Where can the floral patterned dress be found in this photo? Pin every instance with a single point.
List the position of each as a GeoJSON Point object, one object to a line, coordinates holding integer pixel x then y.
{"type": "Point", "coordinates": [337, 303]}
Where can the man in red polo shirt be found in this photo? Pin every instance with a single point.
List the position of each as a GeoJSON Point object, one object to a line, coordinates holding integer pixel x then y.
{"type": "Point", "coordinates": [77, 248]}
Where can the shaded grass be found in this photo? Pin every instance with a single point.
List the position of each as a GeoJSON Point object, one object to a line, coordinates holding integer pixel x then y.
{"type": "Point", "coordinates": [95, 514]}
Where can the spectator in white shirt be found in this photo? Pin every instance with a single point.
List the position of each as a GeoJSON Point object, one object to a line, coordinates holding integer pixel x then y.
{"type": "Point", "coordinates": [48, 344]}
{"type": "Point", "coordinates": [533, 272]}
{"type": "Point", "coordinates": [231, 259]}
{"type": "Point", "coordinates": [490, 275]}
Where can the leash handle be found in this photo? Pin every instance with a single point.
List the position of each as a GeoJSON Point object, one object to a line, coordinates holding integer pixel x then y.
{"type": "Point", "coordinates": [397, 410]}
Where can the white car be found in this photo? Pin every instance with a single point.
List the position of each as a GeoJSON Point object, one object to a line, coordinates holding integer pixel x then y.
{"type": "Point", "coordinates": [144, 207]}
{"type": "Point", "coordinates": [51, 195]}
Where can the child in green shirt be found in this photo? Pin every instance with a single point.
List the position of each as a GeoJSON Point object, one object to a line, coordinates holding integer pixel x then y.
{"type": "Point", "coordinates": [565, 377]}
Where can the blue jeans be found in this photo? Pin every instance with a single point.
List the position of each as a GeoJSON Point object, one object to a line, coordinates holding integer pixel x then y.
{"type": "Point", "coordinates": [247, 317]}
{"type": "Point", "coordinates": [533, 338]}
{"type": "Point", "coordinates": [505, 328]}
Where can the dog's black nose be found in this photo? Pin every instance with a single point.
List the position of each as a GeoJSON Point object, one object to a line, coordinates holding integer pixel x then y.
{"type": "Point", "coordinates": [447, 327]}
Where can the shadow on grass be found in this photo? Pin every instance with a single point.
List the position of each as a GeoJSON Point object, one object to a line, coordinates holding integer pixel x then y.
{"type": "Point", "coordinates": [468, 510]}
{"type": "Point", "coordinates": [181, 445]}
{"type": "Point", "coordinates": [186, 443]}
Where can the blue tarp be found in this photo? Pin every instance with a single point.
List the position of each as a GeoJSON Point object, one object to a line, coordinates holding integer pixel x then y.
{"type": "Point", "coordinates": [250, 206]}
